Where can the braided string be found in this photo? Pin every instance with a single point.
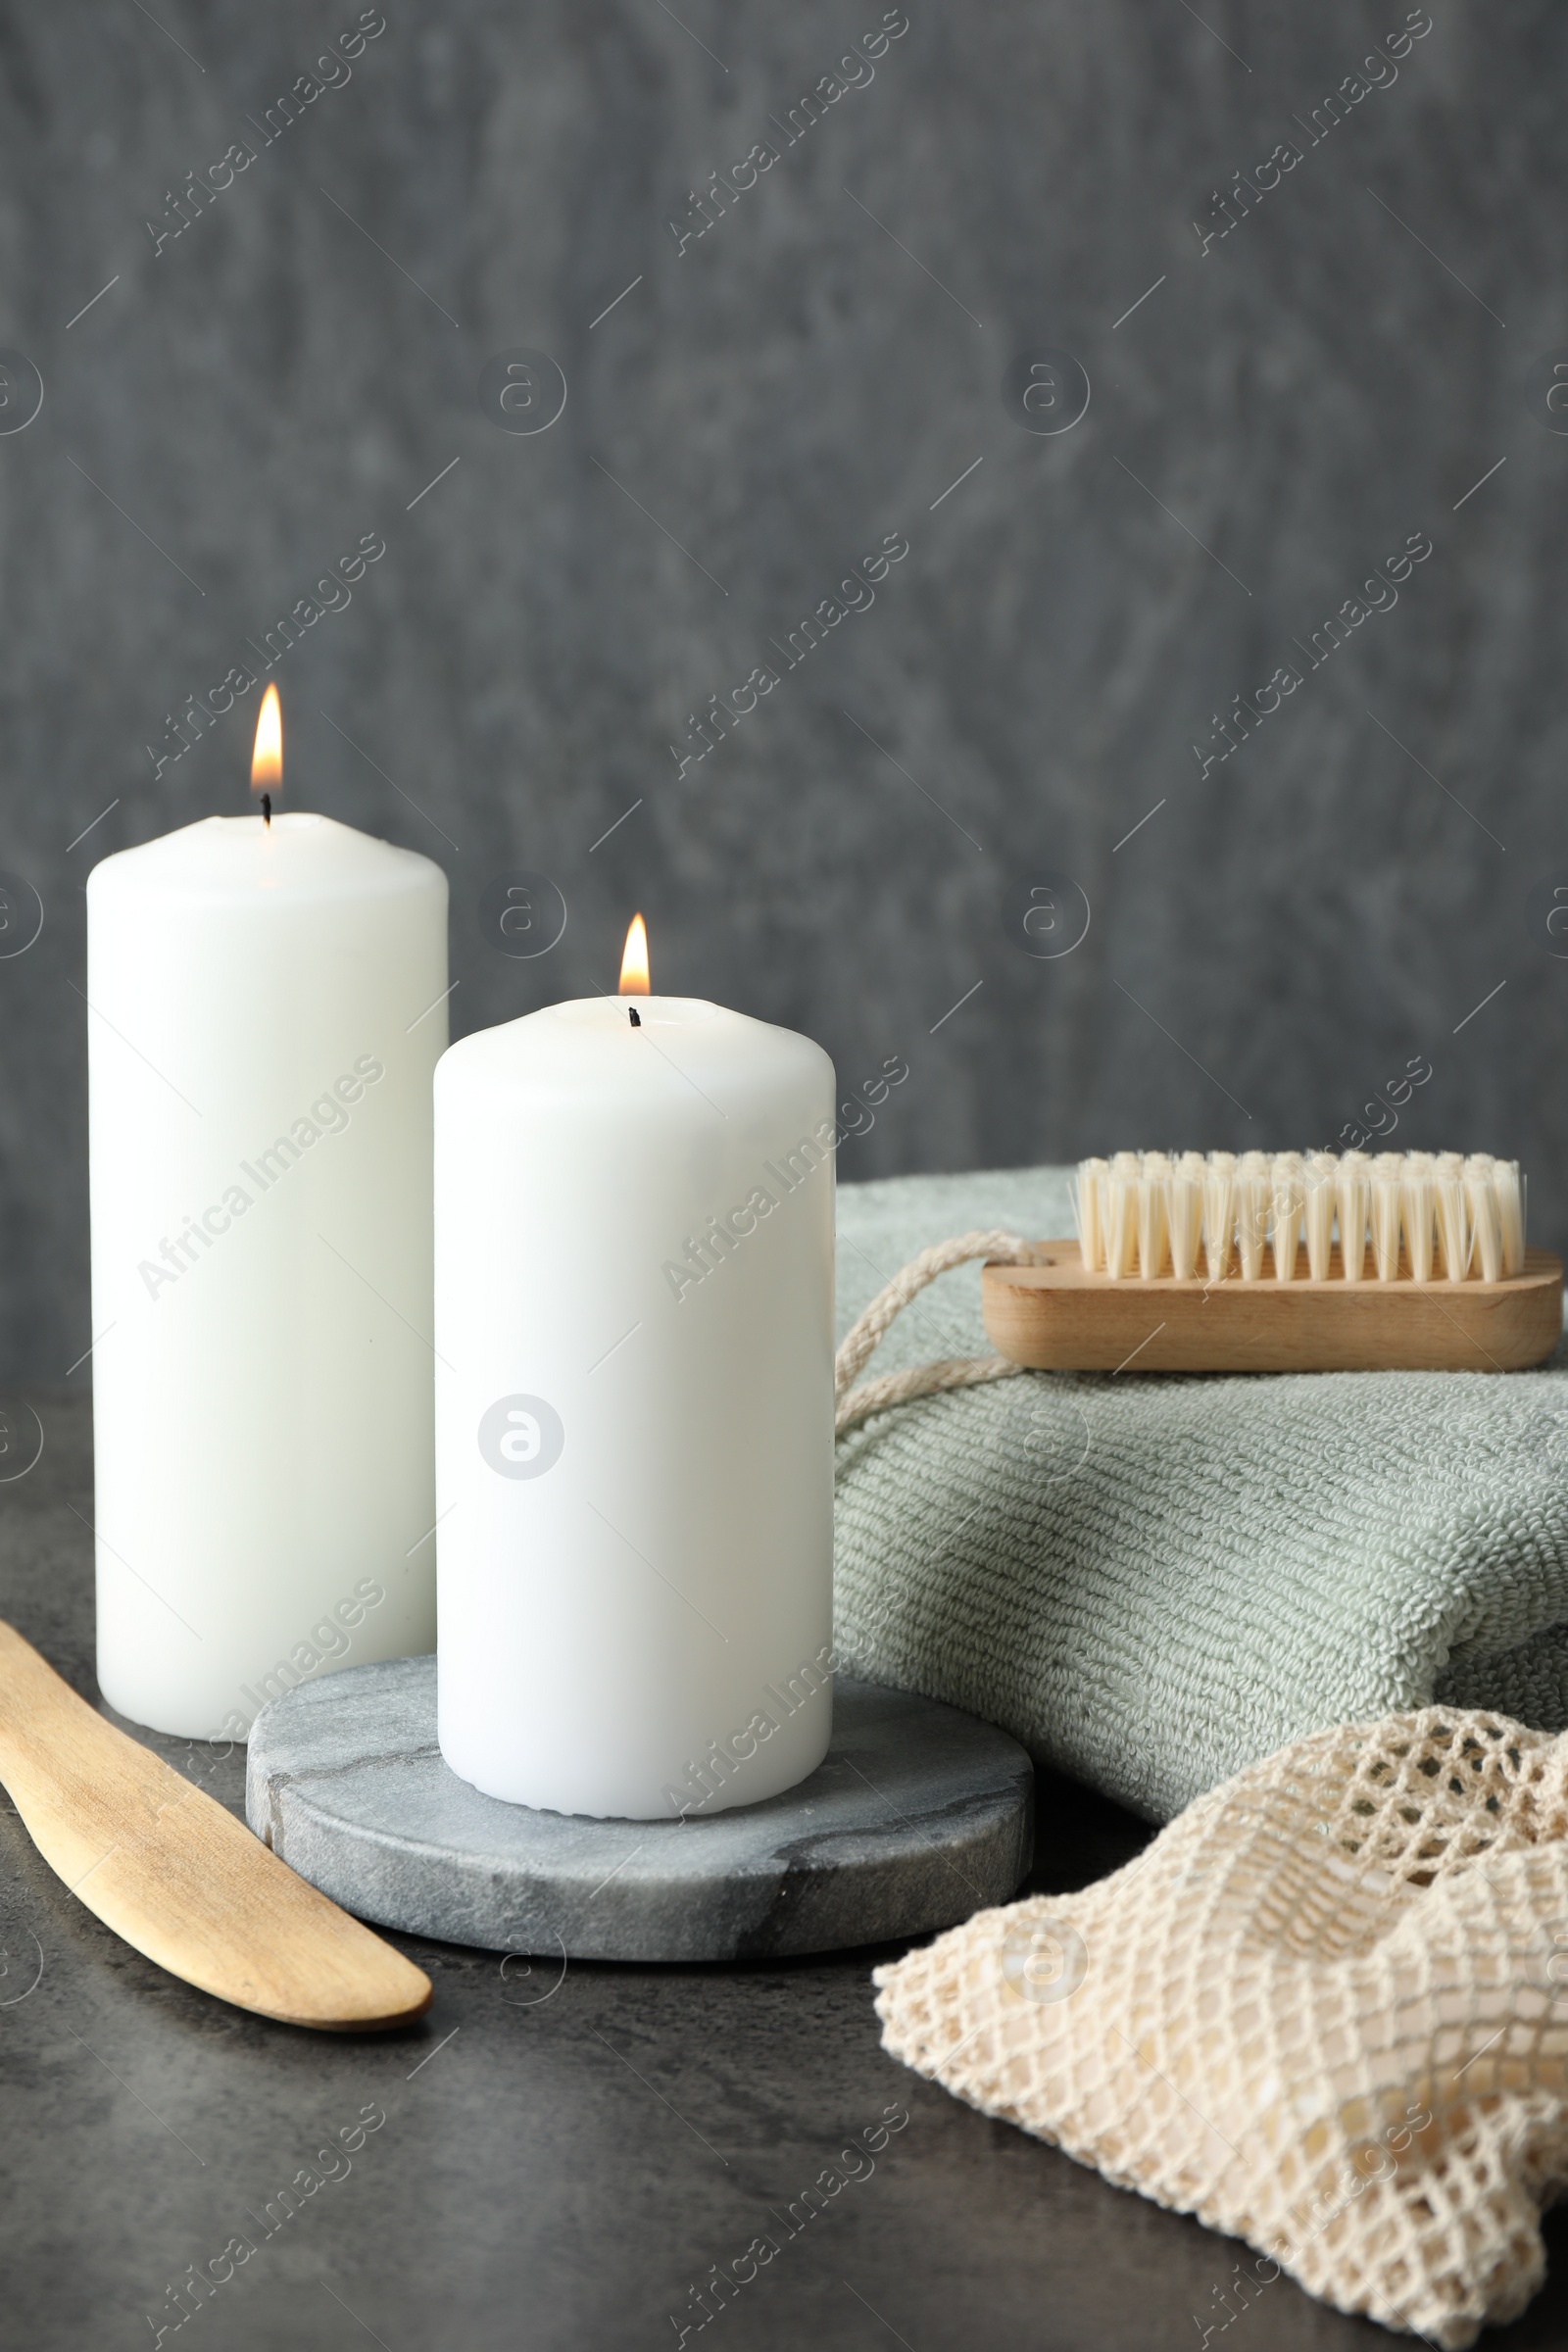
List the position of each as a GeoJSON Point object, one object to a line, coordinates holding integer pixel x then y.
{"type": "Point", "coordinates": [851, 1403]}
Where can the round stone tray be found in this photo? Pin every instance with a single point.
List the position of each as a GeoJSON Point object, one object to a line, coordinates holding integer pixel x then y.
{"type": "Point", "coordinates": [918, 1816]}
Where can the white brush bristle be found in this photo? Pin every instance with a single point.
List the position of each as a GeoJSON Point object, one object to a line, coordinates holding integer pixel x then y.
{"type": "Point", "coordinates": [1185, 1218]}
{"type": "Point", "coordinates": [1219, 1212]}
{"type": "Point", "coordinates": [1485, 1224]}
{"type": "Point", "coordinates": [1417, 1210]}
{"type": "Point", "coordinates": [1087, 1203]}
{"type": "Point", "coordinates": [1320, 1206]}
{"type": "Point", "coordinates": [1454, 1215]}
{"type": "Point", "coordinates": [1354, 1208]}
{"type": "Point", "coordinates": [1251, 1212]}
{"type": "Point", "coordinates": [1428, 1217]}
{"type": "Point", "coordinates": [1289, 1206]}
{"type": "Point", "coordinates": [1121, 1224]}
{"type": "Point", "coordinates": [1508, 1184]}
{"type": "Point", "coordinates": [1154, 1199]}
{"type": "Point", "coordinates": [1387, 1173]}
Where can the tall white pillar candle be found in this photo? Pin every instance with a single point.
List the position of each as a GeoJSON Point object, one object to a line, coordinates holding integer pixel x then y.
{"type": "Point", "coordinates": [634, 1424]}
{"type": "Point", "coordinates": [266, 1012]}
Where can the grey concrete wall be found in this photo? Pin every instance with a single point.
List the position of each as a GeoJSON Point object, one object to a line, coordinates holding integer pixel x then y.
{"type": "Point", "coordinates": [1295, 398]}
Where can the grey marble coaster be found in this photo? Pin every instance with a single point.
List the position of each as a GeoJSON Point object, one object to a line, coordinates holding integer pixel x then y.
{"type": "Point", "coordinates": [918, 1816]}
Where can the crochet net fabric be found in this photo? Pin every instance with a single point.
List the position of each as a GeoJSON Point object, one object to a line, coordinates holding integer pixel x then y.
{"type": "Point", "coordinates": [1326, 2010]}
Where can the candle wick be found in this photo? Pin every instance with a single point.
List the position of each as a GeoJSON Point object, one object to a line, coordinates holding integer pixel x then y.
{"type": "Point", "coordinates": [636, 1016]}
{"type": "Point", "coordinates": [267, 808]}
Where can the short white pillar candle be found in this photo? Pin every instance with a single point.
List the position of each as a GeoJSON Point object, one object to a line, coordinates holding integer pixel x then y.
{"type": "Point", "coordinates": [634, 1426]}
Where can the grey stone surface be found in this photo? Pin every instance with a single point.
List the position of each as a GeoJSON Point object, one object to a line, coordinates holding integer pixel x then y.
{"type": "Point", "coordinates": [1280, 413]}
{"type": "Point", "coordinates": [917, 1816]}
{"type": "Point", "coordinates": [566, 2153]}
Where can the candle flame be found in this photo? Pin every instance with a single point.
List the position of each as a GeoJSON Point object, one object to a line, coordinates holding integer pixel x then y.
{"type": "Point", "coordinates": [634, 962]}
{"type": "Point", "coordinates": [267, 760]}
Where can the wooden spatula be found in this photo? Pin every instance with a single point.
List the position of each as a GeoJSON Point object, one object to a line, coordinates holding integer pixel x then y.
{"type": "Point", "coordinates": [179, 1879]}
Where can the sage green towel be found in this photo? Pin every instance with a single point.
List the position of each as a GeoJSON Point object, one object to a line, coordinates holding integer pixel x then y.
{"type": "Point", "coordinates": [1154, 1580]}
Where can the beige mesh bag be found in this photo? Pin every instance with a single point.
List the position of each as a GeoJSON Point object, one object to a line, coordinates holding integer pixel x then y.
{"type": "Point", "coordinates": [1326, 2011]}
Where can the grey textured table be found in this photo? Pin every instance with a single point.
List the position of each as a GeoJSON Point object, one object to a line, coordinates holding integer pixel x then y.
{"type": "Point", "coordinates": [563, 2154]}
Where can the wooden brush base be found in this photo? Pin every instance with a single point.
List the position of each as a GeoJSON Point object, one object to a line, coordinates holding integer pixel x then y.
{"type": "Point", "coordinates": [1055, 1316]}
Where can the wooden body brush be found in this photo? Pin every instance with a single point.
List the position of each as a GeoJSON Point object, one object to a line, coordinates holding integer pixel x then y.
{"type": "Point", "coordinates": [1289, 1262]}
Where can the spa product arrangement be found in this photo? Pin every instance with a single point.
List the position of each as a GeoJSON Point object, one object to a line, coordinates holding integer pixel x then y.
{"type": "Point", "coordinates": [626, 1500]}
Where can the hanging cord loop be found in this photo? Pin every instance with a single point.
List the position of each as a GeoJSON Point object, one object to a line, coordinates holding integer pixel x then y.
{"type": "Point", "coordinates": [851, 1403]}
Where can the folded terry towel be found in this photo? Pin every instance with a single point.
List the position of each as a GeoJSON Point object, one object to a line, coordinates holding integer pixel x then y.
{"type": "Point", "coordinates": [1154, 1580]}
